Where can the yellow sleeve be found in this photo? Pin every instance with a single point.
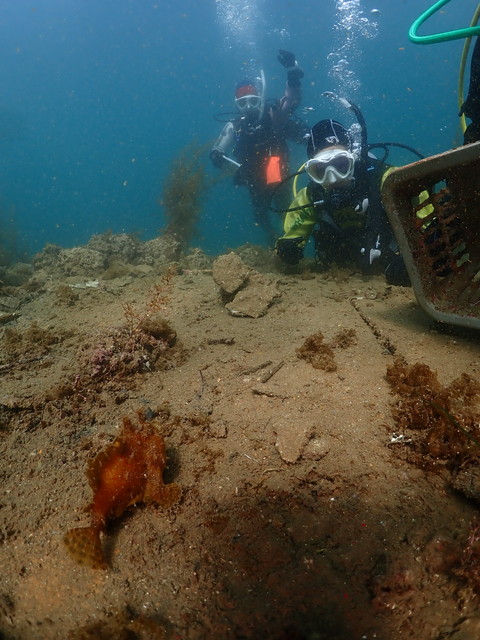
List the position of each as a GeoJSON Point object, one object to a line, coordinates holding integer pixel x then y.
{"type": "Point", "coordinates": [299, 223]}
{"type": "Point", "coordinates": [385, 175]}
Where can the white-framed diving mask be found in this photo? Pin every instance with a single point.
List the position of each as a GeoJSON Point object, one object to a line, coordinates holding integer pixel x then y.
{"type": "Point", "coordinates": [331, 166]}
{"type": "Point", "coordinates": [248, 103]}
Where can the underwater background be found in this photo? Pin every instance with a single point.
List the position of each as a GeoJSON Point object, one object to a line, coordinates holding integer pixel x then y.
{"type": "Point", "coordinates": [98, 98]}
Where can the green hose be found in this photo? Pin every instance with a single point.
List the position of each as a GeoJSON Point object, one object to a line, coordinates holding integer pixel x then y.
{"type": "Point", "coordinates": [439, 37]}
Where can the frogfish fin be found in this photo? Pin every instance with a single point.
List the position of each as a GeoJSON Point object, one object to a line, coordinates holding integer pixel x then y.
{"type": "Point", "coordinates": [165, 495]}
{"type": "Point", "coordinates": [85, 547]}
{"type": "Point", "coordinates": [171, 494]}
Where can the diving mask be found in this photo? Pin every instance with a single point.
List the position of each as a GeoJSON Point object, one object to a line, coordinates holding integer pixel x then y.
{"type": "Point", "coordinates": [247, 103]}
{"type": "Point", "coordinates": [331, 166]}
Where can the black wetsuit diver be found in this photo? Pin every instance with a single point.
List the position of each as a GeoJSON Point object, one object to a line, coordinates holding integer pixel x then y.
{"type": "Point", "coordinates": [258, 138]}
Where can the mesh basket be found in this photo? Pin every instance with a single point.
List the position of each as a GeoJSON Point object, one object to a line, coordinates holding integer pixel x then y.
{"type": "Point", "coordinates": [434, 209]}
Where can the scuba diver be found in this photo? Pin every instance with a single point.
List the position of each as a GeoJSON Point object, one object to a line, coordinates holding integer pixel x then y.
{"type": "Point", "coordinates": [258, 137]}
{"type": "Point", "coordinates": [471, 106]}
{"type": "Point", "coordinates": [342, 205]}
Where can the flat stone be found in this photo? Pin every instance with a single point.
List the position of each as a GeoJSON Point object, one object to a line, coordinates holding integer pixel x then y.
{"type": "Point", "coordinates": [290, 441]}
{"type": "Point", "coordinates": [254, 299]}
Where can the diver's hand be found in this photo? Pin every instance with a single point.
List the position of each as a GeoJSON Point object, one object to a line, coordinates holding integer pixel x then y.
{"type": "Point", "coordinates": [294, 72]}
{"type": "Point", "coordinates": [289, 250]}
{"type": "Point", "coordinates": [218, 158]}
{"type": "Point", "coordinates": [287, 59]}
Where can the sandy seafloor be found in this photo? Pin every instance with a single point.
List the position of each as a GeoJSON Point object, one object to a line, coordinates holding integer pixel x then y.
{"type": "Point", "coordinates": [307, 511]}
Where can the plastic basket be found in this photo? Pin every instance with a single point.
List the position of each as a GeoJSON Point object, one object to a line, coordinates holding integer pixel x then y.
{"type": "Point", "coordinates": [434, 208]}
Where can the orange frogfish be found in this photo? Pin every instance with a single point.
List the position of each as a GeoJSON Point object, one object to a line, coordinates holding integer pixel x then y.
{"type": "Point", "coordinates": [126, 472]}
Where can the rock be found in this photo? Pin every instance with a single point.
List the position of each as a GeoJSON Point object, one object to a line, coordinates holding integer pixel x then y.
{"type": "Point", "coordinates": [253, 293]}
{"type": "Point", "coordinates": [142, 270]}
{"type": "Point", "coordinates": [47, 258]}
{"type": "Point", "coordinates": [467, 481]}
{"type": "Point", "coordinates": [316, 448]}
{"type": "Point", "coordinates": [254, 299]}
{"type": "Point", "coordinates": [81, 261]}
{"type": "Point", "coordinates": [260, 258]}
{"type": "Point", "coordinates": [122, 247]}
{"type": "Point", "coordinates": [17, 274]}
{"type": "Point", "coordinates": [196, 259]}
{"type": "Point", "coordinates": [290, 442]}
{"type": "Point", "coordinates": [9, 304]}
{"type": "Point", "coordinates": [230, 273]}
{"type": "Point", "coordinates": [161, 251]}
{"type": "Point", "coordinates": [78, 261]}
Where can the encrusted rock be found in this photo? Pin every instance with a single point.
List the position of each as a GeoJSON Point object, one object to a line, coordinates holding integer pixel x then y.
{"type": "Point", "coordinates": [467, 481]}
{"type": "Point", "coordinates": [17, 274]}
{"type": "Point", "coordinates": [47, 258]}
{"type": "Point", "coordinates": [254, 299]}
{"type": "Point", "coordinates": [260, 258]}
{"type": "Point", "coordinates": [78, 261]}
{"type": "Point", "coordinates": [230, 272]}
{"type": "Point", "coordinates": [247, 293]}
{"type": "Point", "coordinates": [122, 247]}
{"type": "Point", "coordinates": [196, 259]}
{"type": "Point", "coordinates": [162, 250]}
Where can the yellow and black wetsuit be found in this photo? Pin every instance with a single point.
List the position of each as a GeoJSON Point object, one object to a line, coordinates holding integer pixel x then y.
{"type": "Point", "coordinates": [347, 224]}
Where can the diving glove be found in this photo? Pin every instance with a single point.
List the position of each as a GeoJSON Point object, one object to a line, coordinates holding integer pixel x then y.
{"type": "Point", "coordinates": [289, 250]}
{"type": "Point", "coordinates": [294, 72]}
{"type": "Point", "coordinates": [287, 59]}
{"type": "Point", "coordinates": [218, 158]}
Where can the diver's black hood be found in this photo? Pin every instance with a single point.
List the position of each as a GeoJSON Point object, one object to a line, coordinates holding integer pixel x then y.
{"type": "Point", "coordinates": [327, 133]}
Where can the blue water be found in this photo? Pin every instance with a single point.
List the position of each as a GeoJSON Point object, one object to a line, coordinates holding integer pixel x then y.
{"type": "Point", "coordinates": [97, 98]}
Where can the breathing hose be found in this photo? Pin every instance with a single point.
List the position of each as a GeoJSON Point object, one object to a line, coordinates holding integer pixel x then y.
{"type": "Point", "coordinates": [468, 32]}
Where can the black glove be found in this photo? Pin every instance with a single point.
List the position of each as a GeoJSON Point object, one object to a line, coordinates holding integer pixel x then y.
{"type": "Point", "coordinates": [287, 59]}
{"type": "Point", "coordinates": [218, 158]}
{"type": "Point", "coordinates": [294, 72]}
{"type": "Point", "coordinates": [289, 250]}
